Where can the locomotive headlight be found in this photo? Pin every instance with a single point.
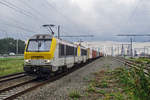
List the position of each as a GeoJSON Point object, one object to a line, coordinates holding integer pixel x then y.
{"type": "Point", "coordinates": [27, 61]}
{"type": "Point", "coordinates": [47, 61]}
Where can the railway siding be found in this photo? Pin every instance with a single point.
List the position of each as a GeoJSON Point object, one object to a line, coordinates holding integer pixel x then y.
{"type": "Point", "coordinates": [133, 64]}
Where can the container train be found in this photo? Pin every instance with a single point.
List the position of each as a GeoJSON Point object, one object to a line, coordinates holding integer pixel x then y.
{"type": "Point", "coordinates": [44, 54]}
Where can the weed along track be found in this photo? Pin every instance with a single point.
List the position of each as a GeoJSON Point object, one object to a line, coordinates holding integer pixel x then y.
{"type": "Point", "coordinates": [134, 79]}
{"type": "Point", "coordinates": [11, 77]}
{"type": "Point", "coordinates": [17, 90]}
{"type": "Point", "coordinates": [136, 66]}
{"type": "Point", "coordinates": [120, 81]}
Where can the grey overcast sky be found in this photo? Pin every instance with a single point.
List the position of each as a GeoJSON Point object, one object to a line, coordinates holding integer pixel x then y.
{"type": "Point", "coordinates": [102, 18]}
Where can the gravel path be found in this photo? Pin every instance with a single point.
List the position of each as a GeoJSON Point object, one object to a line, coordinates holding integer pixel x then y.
{"type": "Point", "coordinates": [78, 80]}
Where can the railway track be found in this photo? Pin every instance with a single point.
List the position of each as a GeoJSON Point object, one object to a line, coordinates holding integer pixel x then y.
{"type": "Point", "coordinates": [133, 64]}
{"type": "Point", "coordinates": [9, 91]}
{"type": "Point", "coordinates": [17, 90]}
{"type": "Point", "coordinates": [127, 62]}
{"type": "Point", "coordinates": [12, 77]}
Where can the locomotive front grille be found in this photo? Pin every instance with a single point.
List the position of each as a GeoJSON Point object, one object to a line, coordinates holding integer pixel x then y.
{"type": "Point", "coordinates": [37, 62]}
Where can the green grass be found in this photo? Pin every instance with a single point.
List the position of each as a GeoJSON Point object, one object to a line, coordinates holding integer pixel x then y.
{"type": "Point", "coordinates": [101, 92]}
{"type": "Point", "coordinates": [91, 88]}
{"type": "Point", "coordinates": [74, 95]}
{"type": "Point", "coordinates": [10, 65]}
{"type": "Point", "coordinates": [104, 84]}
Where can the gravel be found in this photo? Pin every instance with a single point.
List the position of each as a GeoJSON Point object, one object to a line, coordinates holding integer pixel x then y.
{"type": "Point", "coordinates": [76, 81]}
{"type": "Point", "coordinates": [14, 82]}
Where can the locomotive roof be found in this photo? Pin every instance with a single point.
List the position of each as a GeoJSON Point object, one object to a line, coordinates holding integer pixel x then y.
{"type": "Point", "coordinates": [49, 36]}
{"type": "Point", "coordinates": [73, 43]}
{"type": "Point", "coordinates": [42, 36]}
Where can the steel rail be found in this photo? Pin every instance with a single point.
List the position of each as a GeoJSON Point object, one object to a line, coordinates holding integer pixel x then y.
{"type": "Point", "coordinates": [9, 78]}
{"type": "Point", "coordinates": [14, 86]}
{"type": "Point", "coordinates": [1, 77]}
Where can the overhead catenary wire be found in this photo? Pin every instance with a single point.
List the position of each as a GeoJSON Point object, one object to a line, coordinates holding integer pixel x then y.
{"type": "Point", "coordinates": [35, 10]}
{"type": "Point", "coordinates": [21, 35]}
{"type": "Point", "coordinates": [7, 4]}
{"type": "Point", "coordinates": [11, 4]}
{"type": "Point", "coordinates": [17, 22]}
{"type": "Point", "coordinates": [13, 7]}
{"type": "Point", "coordinates": [64, 16]}
{"type": "Point", "coordinates": [20, 10]}
{"type": "Point", "coordinates": [76, 35]}
{"type": "Point", "coordinates": [31, 15]}
{"type": "Point", "coordinates": [19, 27]}
{"type": "Point", "coordinates": [2, 3]}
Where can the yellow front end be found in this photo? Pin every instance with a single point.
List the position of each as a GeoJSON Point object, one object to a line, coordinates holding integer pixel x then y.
{"type": "Point", "coordinates": [44, 55]}
{"type": "Point", "coordinates": [37, 63]}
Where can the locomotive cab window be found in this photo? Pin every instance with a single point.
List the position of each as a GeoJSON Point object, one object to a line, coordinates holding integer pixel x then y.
{"type": "Point", "coordinates": [39, 45]}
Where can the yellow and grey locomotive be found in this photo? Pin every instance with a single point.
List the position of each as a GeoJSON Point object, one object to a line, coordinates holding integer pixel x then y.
{"type": "Point", "coordinates": [45, 54]}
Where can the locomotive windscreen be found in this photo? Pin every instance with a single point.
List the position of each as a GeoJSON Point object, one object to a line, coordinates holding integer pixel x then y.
{"type": "Point", "coordinates": [39, 45]}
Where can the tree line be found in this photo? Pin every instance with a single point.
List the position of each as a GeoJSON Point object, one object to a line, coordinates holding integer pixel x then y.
{"type": "Point", "coordinates": [8, 45]}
